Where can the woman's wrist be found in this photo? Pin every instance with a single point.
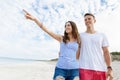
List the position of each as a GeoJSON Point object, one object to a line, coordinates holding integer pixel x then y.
{"type": "Point", "coordinates": [37, 22]}
{"type": "Point", "coordinates": [34, 19]}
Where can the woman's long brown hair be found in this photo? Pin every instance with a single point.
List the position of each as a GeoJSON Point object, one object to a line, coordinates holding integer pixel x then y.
{"type": "Point", "coordinates": [75, 33]}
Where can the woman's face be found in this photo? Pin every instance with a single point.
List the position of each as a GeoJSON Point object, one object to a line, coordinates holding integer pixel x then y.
{"type": "Point", "coordinates": [68, 28]}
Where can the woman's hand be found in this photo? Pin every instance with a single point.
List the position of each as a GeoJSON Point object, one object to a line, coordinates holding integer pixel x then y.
{"type": "Point", "coordinates": [29, 16]}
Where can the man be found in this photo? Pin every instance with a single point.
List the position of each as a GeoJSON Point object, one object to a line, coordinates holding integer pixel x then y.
{"type": "Point", "coordinates": [94, 54]}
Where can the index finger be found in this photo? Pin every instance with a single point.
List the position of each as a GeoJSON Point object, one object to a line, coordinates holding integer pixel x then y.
{"type": "Point", "coordinates": [25, 11]}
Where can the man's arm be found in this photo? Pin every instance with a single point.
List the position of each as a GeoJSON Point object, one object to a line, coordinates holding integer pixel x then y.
{"type": "Point", "coordinates": [108, 62]}
{"type": "Point", "coordinates": [107, 56]}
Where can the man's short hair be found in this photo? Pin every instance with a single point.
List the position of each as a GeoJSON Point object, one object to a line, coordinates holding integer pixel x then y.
{"type": "Point", "coordinates": [89, 14]}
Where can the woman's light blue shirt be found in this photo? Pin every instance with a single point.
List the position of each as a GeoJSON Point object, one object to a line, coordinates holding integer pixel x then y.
{"type": "Point", "coordinates": [67, 58]}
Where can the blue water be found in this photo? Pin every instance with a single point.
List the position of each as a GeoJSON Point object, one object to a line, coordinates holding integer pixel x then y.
{"type": "Point", "coordinates": [6, 60]}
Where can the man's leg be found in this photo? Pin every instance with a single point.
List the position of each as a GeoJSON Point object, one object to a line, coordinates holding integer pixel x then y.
{"type": "Point", "coordinates": [85, 74]}
{"type": "Point", "coordinates": [92, 75]}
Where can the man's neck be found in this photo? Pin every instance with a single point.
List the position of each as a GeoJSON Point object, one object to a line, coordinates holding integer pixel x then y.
{"type": "Point", "coordinates": [90, 30]}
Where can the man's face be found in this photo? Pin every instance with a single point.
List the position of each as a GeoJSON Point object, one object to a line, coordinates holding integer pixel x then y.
{"type": "Point", "coordinates": [89, 21]}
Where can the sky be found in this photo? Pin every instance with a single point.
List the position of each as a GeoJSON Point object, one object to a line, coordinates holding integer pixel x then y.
{"type": "Point", "coordinates": [22, 38]}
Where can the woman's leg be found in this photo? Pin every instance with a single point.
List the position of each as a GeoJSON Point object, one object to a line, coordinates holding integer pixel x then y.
{"type": "Point", "coordinates": [73, 74]}
{"type": "Point", "coordinates": [60, 74]}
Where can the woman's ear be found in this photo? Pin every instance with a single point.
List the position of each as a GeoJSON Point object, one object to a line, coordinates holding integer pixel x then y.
{"type": "Point", "coordinates": [94, 20]}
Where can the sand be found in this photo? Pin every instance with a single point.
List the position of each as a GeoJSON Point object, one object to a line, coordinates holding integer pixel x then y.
{"type": "Point", "coordinates": [38, 70]}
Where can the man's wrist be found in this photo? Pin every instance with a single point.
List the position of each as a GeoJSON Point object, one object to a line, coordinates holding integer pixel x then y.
{"type": "Point", "coordinates": [109, 68]}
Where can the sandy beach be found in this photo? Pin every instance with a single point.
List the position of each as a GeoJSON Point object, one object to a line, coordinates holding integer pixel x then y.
{"type": "Point", "coordinates": [38, 70]}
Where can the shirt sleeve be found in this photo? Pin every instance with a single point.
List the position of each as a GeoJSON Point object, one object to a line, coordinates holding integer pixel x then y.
{"type": "Point", "coordinates": [105, 42]}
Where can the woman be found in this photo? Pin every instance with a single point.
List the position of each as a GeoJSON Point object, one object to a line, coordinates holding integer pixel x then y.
{"type": "Point", "coordinates": [67, 65]}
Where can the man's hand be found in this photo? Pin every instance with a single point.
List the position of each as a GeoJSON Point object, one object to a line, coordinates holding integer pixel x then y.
{"type": "Point", "coordinates": [109, 74]}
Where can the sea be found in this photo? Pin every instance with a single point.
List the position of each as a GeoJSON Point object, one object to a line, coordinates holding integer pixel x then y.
{"type": "Point", "coordinates": [7, 60]}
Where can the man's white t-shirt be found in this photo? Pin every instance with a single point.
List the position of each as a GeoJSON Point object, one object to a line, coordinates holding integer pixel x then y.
{"type": "Point", "coordinates": [91, 53]}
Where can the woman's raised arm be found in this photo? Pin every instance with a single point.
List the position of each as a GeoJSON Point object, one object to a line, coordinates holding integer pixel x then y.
{"type": "Point", "coordinates": [30, 17]}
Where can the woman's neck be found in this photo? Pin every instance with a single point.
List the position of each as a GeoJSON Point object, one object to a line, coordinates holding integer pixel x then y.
{"type": "Point", "coordinates": [71, 37]}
